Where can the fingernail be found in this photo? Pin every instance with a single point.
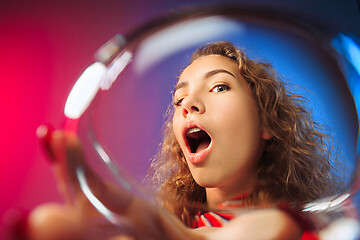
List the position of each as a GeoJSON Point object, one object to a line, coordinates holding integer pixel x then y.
{"type": "Point", "coordinates": [16, 224]}
{"type": "Point", "coordinates": [44, 133]}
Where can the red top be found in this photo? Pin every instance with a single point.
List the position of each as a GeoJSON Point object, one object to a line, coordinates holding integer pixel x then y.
{"type": "Point", "coordinates": [219, 219]}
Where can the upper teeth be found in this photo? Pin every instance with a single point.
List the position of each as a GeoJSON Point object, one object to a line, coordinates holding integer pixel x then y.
{"type": "Point", "coordinates": [193, 130]}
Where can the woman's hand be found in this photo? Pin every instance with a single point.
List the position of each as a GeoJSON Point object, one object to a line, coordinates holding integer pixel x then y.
{"type": "Point", "coordinates": [77, 218]}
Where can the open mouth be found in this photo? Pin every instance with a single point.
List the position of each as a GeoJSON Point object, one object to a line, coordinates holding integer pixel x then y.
{"type": "Point", "coordinates": [197, 139]}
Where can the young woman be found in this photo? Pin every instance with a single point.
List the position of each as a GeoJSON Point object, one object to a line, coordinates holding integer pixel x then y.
{"type": "Point", "coordinates": [260, 139]}
{"type": "Point", "coordinates": [235, 138]}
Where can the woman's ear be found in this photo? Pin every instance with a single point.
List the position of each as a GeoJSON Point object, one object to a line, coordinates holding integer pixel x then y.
{"type": "Point", "coordinates": [266, 134]}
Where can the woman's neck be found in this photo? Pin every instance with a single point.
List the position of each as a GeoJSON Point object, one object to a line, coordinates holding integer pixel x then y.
{"type": "Point", "coordinates": [217, 195]}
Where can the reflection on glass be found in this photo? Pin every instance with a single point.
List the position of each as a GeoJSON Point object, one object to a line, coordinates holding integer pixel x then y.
{"type": "Point", "coordinates": [123, 126]}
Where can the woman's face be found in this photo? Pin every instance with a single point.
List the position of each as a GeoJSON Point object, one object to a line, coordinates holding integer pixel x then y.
{"type": "Point", "coordinates": [217, 124]}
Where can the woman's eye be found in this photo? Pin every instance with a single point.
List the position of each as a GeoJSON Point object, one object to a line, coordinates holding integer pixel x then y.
{"type": "Point", "coordinates": [178, 102]}
{"type": "Point", "coordinates": [220, 88]}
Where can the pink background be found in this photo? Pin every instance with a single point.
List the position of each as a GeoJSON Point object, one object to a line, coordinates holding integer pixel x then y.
{"type": "Point", "coordinates": [45, 45]}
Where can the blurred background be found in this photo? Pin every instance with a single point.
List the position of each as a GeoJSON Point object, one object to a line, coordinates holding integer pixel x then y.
{"type": "Point", "coordinates": [45, 46]}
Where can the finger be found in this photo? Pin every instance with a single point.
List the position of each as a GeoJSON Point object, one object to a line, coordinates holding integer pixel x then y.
{"type": "Point", "coordinates": [44, 133]}
{"type": "Point", "coordinates": [114, 198]}
{"type": "Point", "coordinates": [52, 143]}
{"type": "Point", "coordinates": [66, 185]}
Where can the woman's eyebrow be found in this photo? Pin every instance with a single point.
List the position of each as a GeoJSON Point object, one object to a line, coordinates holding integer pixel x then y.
{"type": "Point", "coordinates": [216, 71]}
{"type": "Point", "coordinates": [207, 75]}
{"type": "Point", "coordinates": [180, 85]}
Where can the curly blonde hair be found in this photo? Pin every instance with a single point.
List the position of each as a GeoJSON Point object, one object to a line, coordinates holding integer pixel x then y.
{"type": "Point", "coordinates": [296, 163]}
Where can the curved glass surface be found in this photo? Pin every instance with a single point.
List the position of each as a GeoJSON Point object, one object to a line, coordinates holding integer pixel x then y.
{"type": "Point", "coordinates": [123, 125]}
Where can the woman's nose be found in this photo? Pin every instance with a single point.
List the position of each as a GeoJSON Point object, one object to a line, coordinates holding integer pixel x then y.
{"type": "Point", "coordinates": [191, 105]}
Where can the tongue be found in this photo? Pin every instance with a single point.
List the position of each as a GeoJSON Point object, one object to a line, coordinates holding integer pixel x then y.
{"type": "Point", "coordinates": [203, 145]}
